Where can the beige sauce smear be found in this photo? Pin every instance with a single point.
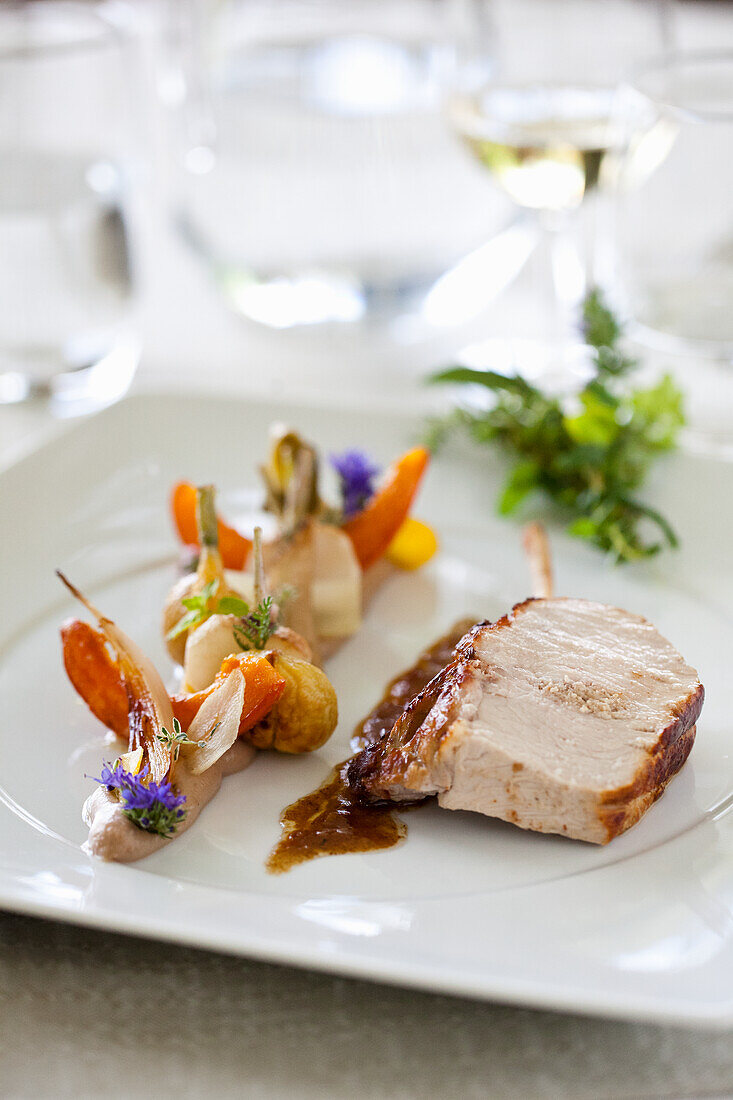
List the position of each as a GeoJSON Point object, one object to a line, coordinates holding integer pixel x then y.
{"type": "Point", "coordinates": [113, 837]}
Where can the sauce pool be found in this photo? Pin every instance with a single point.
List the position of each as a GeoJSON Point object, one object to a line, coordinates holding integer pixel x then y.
{"type": "Point", "coordinates": [331, 820]}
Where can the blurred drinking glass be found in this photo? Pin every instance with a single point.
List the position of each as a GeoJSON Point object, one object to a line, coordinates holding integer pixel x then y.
{"type": "Point", "coordinates": [674, 204]}
{"type": "Point", "coordinates": [318, 181]}
{"type": "Point", "coordinates": [542, 125]}
{"type": "Point", "coordinates": [65, 276]}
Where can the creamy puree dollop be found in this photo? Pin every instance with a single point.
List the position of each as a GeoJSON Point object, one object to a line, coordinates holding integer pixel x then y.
{"type": "Point", "coordinates": [113, 837]}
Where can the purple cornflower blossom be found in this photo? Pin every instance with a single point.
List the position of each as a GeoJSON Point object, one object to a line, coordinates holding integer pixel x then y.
{"type": "Point", "coordinates": [114, 777]}
{"type": "Point", "coordinates": [356, 476]}
{"type": "Point", "coordinates": [154, 807]}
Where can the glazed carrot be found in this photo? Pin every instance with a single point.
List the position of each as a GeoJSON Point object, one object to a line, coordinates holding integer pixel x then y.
{"type": "Point", "coordinates": [94, 674]}
{"type": "Point", "coordinates": [372, 530]}
{"type": "Point", "coordinates": [96, 678]}
{"type": "Point", "coordinates": [233, 547]}
{"type": "Point", "coordinates": [263, 686]}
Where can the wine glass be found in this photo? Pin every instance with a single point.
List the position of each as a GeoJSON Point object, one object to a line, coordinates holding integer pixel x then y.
{"type": "Point", "coordinates": [315, 179]}
{"type": "Point", "coordinates": [541, 122]}
{"type": "Point", "coordinates": [673, 228]}
{"type": "Point", "coordinates": [67, 150]}
{"type": "Point", "coordinates": [675, 270]}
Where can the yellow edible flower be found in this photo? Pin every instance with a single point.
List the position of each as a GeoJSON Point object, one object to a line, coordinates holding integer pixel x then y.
{"type": "Point", "coordinates": [132, 761]}
{"type": "Point", "coordinates": [413, 545]}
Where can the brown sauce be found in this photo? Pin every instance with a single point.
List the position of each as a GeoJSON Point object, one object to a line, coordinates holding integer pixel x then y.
{"type": "Point", "coordinates": [331, 820]}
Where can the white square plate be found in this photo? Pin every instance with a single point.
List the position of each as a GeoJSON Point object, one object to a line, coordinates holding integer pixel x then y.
{"type": "Point", "coordinates": [641, 928]}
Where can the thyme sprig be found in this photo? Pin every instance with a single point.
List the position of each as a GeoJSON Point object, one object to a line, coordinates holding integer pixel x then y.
{"type": "Point", "coordinates": [588, 454]}
{"type": "Point", "coordinates": [174, 738]}
{"type": "Point", "coordinates": [255, 627]}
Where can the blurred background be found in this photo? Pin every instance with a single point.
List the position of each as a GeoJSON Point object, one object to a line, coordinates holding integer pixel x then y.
{"type": "Point", "coordinates": [246, 195]}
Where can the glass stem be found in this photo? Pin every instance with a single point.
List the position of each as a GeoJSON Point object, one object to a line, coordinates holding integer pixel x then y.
{"type": "Point", "coordinates": [564, 269]}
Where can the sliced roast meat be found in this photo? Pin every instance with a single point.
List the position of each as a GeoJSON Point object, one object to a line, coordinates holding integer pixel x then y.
{"type": "Point", "coordinates": [565, 716]}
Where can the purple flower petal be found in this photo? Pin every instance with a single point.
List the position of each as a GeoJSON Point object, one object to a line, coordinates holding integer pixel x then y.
{"type": "Point", "coordinates": [356, 475]}
{"type": "Point", "coordinates": [152, 806]}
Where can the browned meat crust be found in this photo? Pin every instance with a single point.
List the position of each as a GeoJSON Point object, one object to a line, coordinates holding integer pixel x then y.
{"type": "Point", "coordinates": [375, 771]}
{"type": "Point", "coordinates": [620, 811]}
{"type": "Point", "coordinates": [406, 685]}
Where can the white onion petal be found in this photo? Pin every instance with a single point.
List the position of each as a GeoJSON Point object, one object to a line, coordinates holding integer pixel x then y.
{"type": "Point", "coordinates": [223, 706]}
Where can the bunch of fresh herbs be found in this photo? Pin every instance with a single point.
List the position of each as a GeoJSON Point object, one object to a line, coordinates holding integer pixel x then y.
{"type": "Point", "coordinates": [251, 632]}
{"type": "Point", "coordinates": [587, 454]}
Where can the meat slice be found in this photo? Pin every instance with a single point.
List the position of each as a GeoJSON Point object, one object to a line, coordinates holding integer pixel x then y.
{"type": "Point", "coordinates": [565, 716]}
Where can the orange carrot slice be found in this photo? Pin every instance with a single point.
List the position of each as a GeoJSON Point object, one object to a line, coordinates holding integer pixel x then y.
{"type": "Point", "coordinates": [97, 679]}
{"type": "Point", "coordinates": [233, 547]}
{"type": "Point", "coordinates": [94, 674]}
{"type": "Point", "coordinates": [372, 530]}
{"type": "Point", "coordinates": [263, 686]}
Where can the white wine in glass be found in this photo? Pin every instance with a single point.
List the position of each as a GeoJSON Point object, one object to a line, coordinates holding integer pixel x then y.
{"type": "Point", "coordinates": [542, 122]}
{"type": "Point", "coordinates": [544, 145]}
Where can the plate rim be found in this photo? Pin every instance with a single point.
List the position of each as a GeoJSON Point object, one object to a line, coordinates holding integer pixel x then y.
{"type": "Point", "coordinates": [307, 947]}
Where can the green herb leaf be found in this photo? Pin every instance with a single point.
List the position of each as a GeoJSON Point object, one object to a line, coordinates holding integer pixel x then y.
{"type": "Point", "coordinates": [175, 738]}
{"type": "Point", "coordinates": [511, 383]}
{"type": "Point", "coordinates": [600, 327]}
{"type": "Point", "coordinates": [197, 610]}
{"type": "Point", "coordinates": [201, 599]}
{"type": "Point", "coordinates": [523, 479]}
{"type": "Point", "coordinates": [583, 528]}
{"type": "Point", "coordinates": [658, 412]}
{"type": "Point", "coordinates": [587, 462]}
{"type": "Point", "coordinates": [190, 619]}
{"type": "Point", "coordinates": [253, 631]}
{"type": "Point", "coordinates": [597, 423]}
{"type": "Point", "coordinates": [232, 605]}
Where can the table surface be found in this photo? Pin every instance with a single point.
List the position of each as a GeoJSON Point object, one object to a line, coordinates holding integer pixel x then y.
{"type": "Point", "coordinates": [83, 1013]}
{"type": "Point", "coordinates": [88, 1014]}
